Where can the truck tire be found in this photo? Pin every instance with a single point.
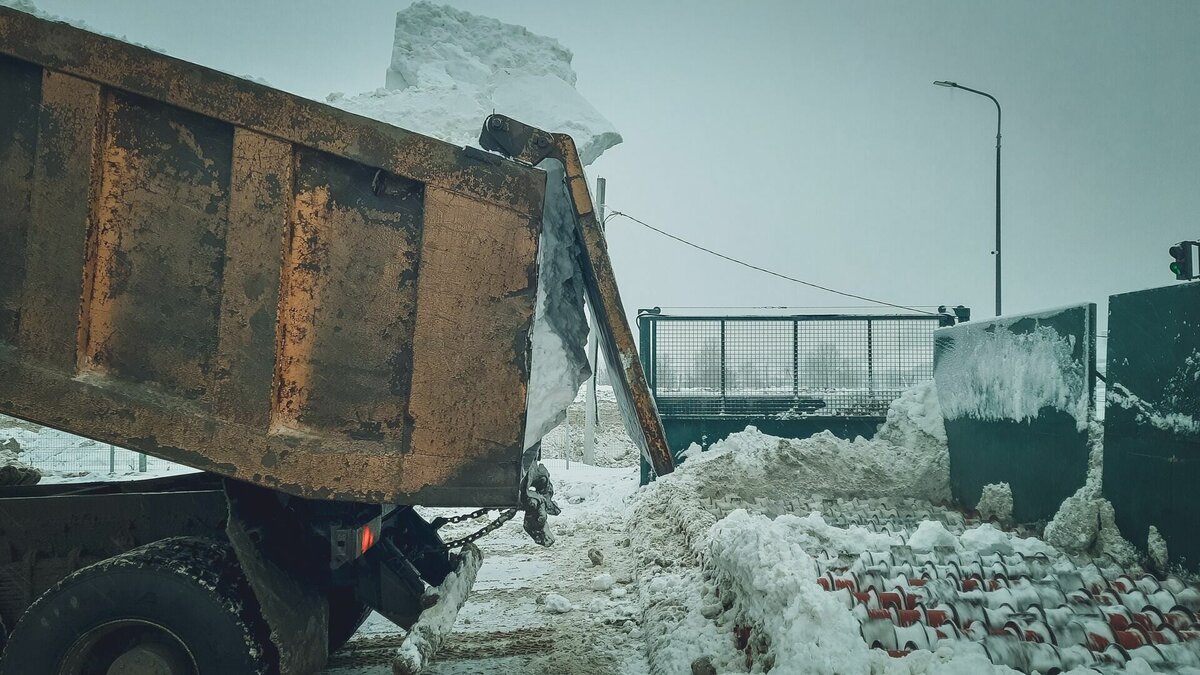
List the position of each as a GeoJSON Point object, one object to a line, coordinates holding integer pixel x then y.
{"type": "Point", "coordinates": [346, 614]}
{"type": "Point", "coordinates": [180, 606]}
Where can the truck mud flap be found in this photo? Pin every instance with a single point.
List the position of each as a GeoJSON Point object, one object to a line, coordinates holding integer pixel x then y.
{"type": "Point", "coordinates": [531, 145]}
{"type": "Point", "coordinates": [441, 605]}
{"type": "Point", "coordinates": [296, 612]}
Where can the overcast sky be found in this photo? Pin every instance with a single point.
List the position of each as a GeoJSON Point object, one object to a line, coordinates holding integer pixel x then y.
{"type": "Point", "coordinates": [807, 137]}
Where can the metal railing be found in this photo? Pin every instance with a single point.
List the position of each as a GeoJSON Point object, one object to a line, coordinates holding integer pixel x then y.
{"type": "Point", "coordinates": [783, 367]}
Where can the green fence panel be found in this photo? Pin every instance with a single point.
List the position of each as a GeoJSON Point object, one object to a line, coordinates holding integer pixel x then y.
{"type": "Point", "coordinates": [1016, 397]}
{"type": "Point", "coordinates": [790, 376]}
{"type": "Point", "coordinates": [1152, 417]}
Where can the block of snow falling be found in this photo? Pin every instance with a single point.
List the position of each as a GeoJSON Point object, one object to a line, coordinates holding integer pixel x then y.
{"type": "Point", "coordinates": [450, 69]}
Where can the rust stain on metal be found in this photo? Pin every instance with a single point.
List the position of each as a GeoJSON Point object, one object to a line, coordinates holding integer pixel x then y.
{"type": "Point", "coordinates": [301, 292]}
{"type": "Point", "coordinates": [260, 210]}
{"type": "Point", "coordinates": [469, 373]}
{"type": "Point", "coordinates": [96, 322]}
{"type": "Point", "coordinates": [69, 131]}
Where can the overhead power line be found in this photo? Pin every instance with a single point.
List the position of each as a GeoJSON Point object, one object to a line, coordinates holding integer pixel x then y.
{"type": "Point", "coordinates": [764, 270]}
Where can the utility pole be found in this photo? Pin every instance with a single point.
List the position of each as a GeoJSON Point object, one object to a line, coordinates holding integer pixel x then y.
{"type": "Point", "coordinates": [589, 425]}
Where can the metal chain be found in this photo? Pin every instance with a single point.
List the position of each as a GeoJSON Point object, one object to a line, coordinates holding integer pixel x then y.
{"type": "Point", "coordinates": [503, 518]}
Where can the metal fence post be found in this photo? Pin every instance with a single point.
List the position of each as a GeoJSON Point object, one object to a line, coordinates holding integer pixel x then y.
{"type": "Point", "coordinates": [722, 365]}
{"type": "Point", "coordinates": [870, 361]}
{"type": "Point", "coordinates": [112, 459]}
{"type": "Point", "coordinates": [142, 462]}
{"type": "Point", "coordinates": [795, 359]}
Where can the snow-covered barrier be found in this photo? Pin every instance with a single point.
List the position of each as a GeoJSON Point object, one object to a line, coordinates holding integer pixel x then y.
{"type": "Point", "coordinates": [1016, 396]}
{"type": "Point", "coordinates": [1152, 417]}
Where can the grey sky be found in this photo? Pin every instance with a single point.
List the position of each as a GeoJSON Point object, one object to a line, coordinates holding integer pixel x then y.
{"type": "Point", "coordinates": [807, 137]}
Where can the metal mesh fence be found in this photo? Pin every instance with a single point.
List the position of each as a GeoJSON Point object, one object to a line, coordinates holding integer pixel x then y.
{"type": "Point", "coordinates": [785, 366]}
{"type": "Point", "coordinates": [64, 456]}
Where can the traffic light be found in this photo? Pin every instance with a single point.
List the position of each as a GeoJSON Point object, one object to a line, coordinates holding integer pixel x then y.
{"type": "Point", "coordinates": [1184, 263]}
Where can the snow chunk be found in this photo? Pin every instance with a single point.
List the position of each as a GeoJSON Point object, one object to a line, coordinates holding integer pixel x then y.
{"type": "Point", "coordinates": [602, 582]}
{"type": "Point", "coordinates": [1157, 546]}
{"type": "Point", "coordinates": [559, 362]}
{"type": "Point", "coordinates": [553, 602]}
{"type": "Point", "coordinates": [442, 45]}
{"type": "Point", "coordinates": [985, 539]}
{"type": "Point", "coordinates": [930, 534]}
{"type": "Point", "coordinates": [996, 503]}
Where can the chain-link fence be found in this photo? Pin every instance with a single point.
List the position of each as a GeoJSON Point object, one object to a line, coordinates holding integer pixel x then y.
{"type": "Point", "coordinates": [63, 455]}
{"type": "Point", "coordinates": [784, 366]}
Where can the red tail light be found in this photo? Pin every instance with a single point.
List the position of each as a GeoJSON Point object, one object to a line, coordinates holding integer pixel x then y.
{"type": "Point", "coordinates": [366, 540]}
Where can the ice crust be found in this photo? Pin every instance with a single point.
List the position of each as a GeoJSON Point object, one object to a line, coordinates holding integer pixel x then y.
{"type": "Point", "coordinates": [559, 363]}
{"type": "Point", "coordinates": [1002, 375]}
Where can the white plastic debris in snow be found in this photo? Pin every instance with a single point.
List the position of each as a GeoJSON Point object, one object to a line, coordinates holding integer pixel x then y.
{"type": "Point", "coordinates": [449, 70]}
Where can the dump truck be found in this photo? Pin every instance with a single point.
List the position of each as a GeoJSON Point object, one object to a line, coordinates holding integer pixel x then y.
{"type": "Point", "coordinates": [328, 317]}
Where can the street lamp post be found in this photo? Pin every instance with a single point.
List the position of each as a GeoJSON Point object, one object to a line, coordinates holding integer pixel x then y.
{"type": "Point", "coordinates": [956, 85]}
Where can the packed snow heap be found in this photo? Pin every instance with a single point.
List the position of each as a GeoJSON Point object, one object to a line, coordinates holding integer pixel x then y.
{"type": "Point", "coordinates": [449, 70]}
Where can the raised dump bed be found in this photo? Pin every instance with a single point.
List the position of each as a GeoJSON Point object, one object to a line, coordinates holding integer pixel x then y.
{"type": "Point", "coordinates": [224, 275]}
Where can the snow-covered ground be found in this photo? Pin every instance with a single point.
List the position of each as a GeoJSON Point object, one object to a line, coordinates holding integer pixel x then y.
{"type": "Point", "coordinates": [730, 565]}
{"type": "Point", "coordinates": [540, 610]}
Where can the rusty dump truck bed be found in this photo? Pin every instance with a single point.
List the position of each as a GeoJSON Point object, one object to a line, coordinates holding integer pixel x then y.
{"type": "Point", "coordinates": [221, 274]}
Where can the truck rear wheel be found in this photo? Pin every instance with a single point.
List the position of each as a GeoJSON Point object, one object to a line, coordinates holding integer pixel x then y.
{"type": "Point", "coordinates": [178, 606]}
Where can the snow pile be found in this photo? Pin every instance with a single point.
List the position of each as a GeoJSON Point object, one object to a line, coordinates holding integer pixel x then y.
{"type": "Point", "coordinates": [13, 469]}
{"type": "Point", "coordinates": [1086, 522]}
{"type": "Point", "coordinates": [775, 593]}
{"type": "Point", "coordinates": [1001, 375]}
{"type": "Point", "coordinates": [996, 503]}
{"type": "Point", "coordinates": [914, 420]}
{"type": "Point", "coordinates": [812, 533]}
{"type": "Point", "coordinates": [450, 69]}
{"type": "Point", "coordinates": [752, 464]}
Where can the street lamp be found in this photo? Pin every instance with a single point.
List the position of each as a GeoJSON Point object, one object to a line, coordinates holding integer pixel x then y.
{"type": "Point", "coordinates": [956, 85]}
